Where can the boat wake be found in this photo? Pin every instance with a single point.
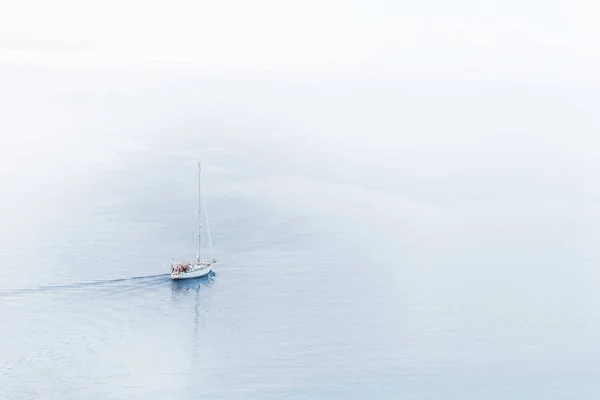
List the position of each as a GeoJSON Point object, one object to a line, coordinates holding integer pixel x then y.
{"type": "Point", "coordinates": [134, 281]}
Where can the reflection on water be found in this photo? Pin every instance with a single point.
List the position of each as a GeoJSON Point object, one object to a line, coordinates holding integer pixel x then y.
{"type": "Point", "coordinates": [181, 289]}
{"type": "Point", "coordinates": [185, 285]}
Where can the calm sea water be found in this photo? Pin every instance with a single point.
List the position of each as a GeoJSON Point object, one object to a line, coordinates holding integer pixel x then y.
{"type": "Point", "coordinates": [348, 269]}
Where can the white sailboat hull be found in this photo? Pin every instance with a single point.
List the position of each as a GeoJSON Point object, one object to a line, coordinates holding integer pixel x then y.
{"type": "Point", "coordinates": [197, 272]}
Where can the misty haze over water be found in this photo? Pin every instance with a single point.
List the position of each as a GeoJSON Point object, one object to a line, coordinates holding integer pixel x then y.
{"type": "Point", "coordinates": [377, 238]}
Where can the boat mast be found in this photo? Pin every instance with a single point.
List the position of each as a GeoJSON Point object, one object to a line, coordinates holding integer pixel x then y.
{"type": "Point", "coordinates": [199, 211]}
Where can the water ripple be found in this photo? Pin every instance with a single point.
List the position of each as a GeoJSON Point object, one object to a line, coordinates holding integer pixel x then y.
{"type": "Point", "coordinates": [149, 279]}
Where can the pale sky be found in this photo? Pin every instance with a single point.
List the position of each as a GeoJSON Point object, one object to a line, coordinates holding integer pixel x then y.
{"type": "Point", "coordinates": [522, 40]}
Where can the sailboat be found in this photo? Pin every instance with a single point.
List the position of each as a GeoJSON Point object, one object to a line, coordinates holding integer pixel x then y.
{"type": "Point", "coordinates": [199, 266]}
